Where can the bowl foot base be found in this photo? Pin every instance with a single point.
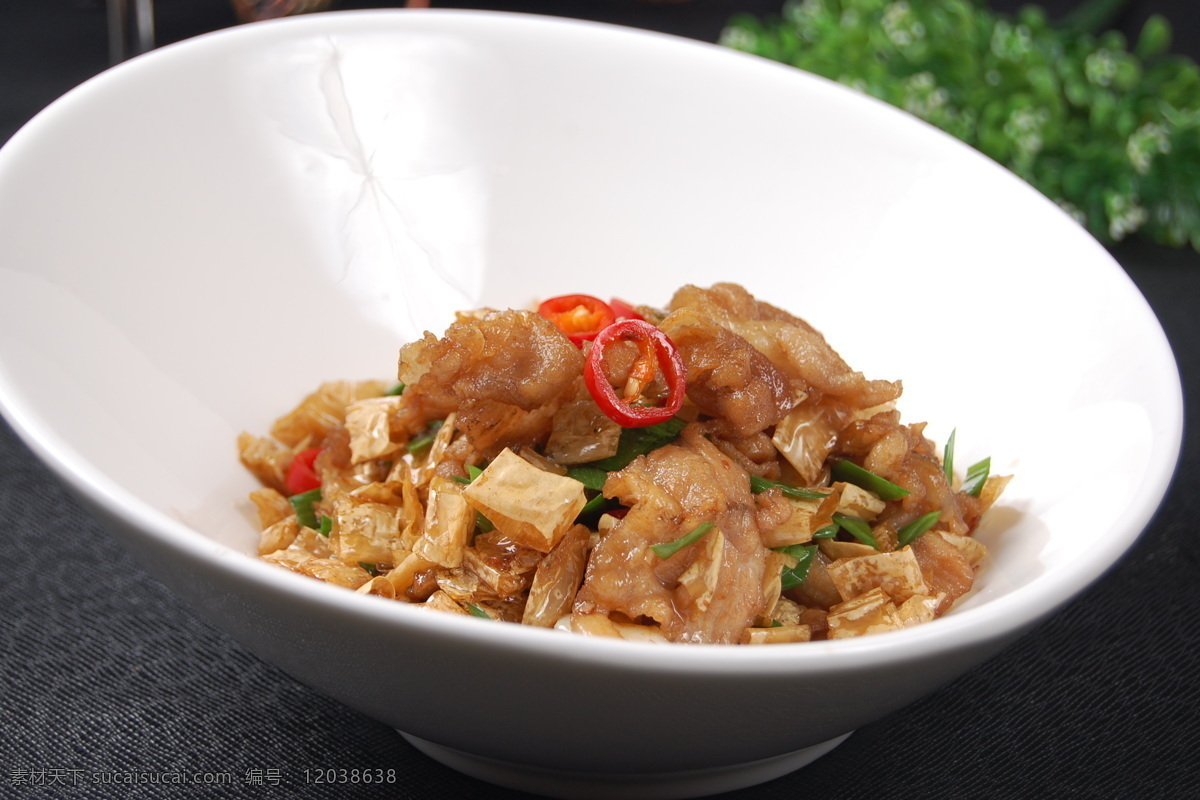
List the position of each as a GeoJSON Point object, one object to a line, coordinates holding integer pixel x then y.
{"type": "Point", "coordinates": [603, 786]}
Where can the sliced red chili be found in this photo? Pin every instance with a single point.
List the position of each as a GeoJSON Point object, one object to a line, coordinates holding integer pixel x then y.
{"type": "Point", "coordinates": [580, 316]}
{"type": "Point", "coordinates": [302, 475]}
{"type": "Point", "coordinates": [657, 354]}
{"type": "Point", "coordinates": [623, 310]}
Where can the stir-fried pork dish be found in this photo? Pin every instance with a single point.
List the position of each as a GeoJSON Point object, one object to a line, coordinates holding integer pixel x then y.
{"type": "Point", "coordinates": [712, 472]}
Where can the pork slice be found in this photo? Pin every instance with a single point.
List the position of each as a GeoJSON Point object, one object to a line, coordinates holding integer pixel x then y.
{"type": "Point", "coordinates": [727, 378]}
{"type": "Point", "coordinates": [731, 300]}
{"type": "Point", "coordinates": [505, 373]}
{"type": "Point", "coordinates": [670, 492]}
{"type": "Point", "coordinates": [903, 455]}
{"type": "Point", "coordinates": [944, 567]}
{"type": "Point", "coordinates": [794, 346]}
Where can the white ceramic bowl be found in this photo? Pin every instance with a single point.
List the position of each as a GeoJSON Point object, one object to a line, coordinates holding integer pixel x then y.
{"type": "Point", "coordinates": [193, 240]}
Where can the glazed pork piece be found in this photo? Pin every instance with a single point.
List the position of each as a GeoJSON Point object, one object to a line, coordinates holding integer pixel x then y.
{"type": "Point", "coordinates": [708, 473]}
{"type": "Point", "coordinates": [504, 373]}
{"type": "Point", "coordinates": [814, 369]}
{"type": "Point", "coordinates": [669, 492]}
{"type": "Point", "coordinates": [728, 379]}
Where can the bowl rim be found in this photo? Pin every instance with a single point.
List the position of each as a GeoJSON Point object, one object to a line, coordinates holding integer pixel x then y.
{"type": "Point", "coordinates": [1000, 618]}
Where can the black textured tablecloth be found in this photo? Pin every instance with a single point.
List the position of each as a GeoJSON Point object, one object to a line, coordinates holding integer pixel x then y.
{"type": "Point", "coordinates": [104, 675]}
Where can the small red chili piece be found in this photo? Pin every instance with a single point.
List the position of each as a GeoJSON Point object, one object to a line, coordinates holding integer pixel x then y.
{"type": "Point", "coordinates": [302, 475]}
{"type": "Point", "coordinates": [579, 316]}
{"type": "Point", "coordinates": [623, 310]}
{"type": "Point", "coordinates": [657, 355]}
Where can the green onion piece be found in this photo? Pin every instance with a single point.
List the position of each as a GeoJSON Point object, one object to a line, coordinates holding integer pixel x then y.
{"type": "Point", "coordinates": [918, 526]}
{"type": "Point", "coordinates": [850, 472]}
{"type": "Point", "coordinates": [591, 477]}
{"type": "Point", "coordinates": [326, 526]}
{"type": "Point", "coordinates": [396, 390]}
{"type": "Point", "coordinates": [857, 528]}
{"type": "Point", "coordinates": [791, 577]}
{"type": "Point", "coordinates": [977, 475]}
{"type": "Point", "coordinates": [669, 549]}
{"type": "Point", "coordinates": [828, 532]}
{"type": "Point", "coordinates": [948, 457]}
{"type": "Point", "coordinates": [473, 472]}
{"type": "Point", "coordinates": [421, 442]}
{"type": "Point", "coordinates": [370, 568]}
{"type": "Point", "coordinates": [776, 623]}
{"type": "Point", "coordinates": [476, 611]}
{"type": "Point", "coordinates": [639, 441]}
{"type": "Point", "coordinates": [483, 523]}
{"type": "Point", "coordinates": [596, 504]}
{"type": "Point", "coordinates": [303, 505]}
{"type": "Point", "coordinates": [759, 485]}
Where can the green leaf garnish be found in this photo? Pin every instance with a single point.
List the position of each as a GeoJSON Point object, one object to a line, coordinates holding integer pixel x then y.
{"type": "Point", "coordinates": [791, 577]}
{"type": "Point", "coordinates": [977, 475]}
{"type": "Point", "coordinates": [396, 390]}
{"type": "Point", "coordinates": [483, 523]}
{"type": "Point", "coordinates": [476, 611]}
{"type": "Point", "coordinates": [326, 526]}
{"type": "Point", "coordinates": [884, 489]}
{"type": "Point", "coordinates": [918, 526]}
{"type": "Point", "coordinates": [302, 504]}
{"type": "Point", "coordinates": [857, 528]}
{"type": "Point", "coordinates": [948, 457]}
{"type": "Point", "coordinates": [759, 485]}
{"type": "Point", "coordinates": [423, 441]}
{"type": "Point", "coordinates": [668, 549]}
{"type": "Point", "coordinates": [371, 569]}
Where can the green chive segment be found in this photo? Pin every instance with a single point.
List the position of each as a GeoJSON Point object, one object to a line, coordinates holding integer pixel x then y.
{"type": "Point", "coordinates": [918, 526]}
{"type": "Point", "coordinates": [977, 475]}
{"type": "Point", "coordinates": [828, 532]}
{"type": "Point", "coordinates": [422, 442]}
{"type": "Point", "coordinates": [791, 577]}
{"type": "Point", "coordinates": [948, 457]}
{"type": "Point", "coordinates": [303, 505]}
{"type": "Point", "coordinates": [596, 504]}
{"type": "Point", "coordinates": [591, 477]}
{"type": "Point", "coordinates": [759, 485]}
{"type": "Point", "coordinates": [668, 549]}
{"type": "Point", "coordinates": [884, 489]}
{"type": "Point", "coordinates": [473, 472]}
{"type": "Point", "coordinates": [857, 528]}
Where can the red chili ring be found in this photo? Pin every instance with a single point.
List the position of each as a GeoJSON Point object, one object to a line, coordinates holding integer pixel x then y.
{"type": "Point", "coordinates": [580, 317]}
{"type": "Point", "coordinates": [652, 342]}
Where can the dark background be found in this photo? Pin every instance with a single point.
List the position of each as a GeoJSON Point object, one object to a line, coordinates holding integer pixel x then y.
{"type": "Point", "coordinates": [101, 669]}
